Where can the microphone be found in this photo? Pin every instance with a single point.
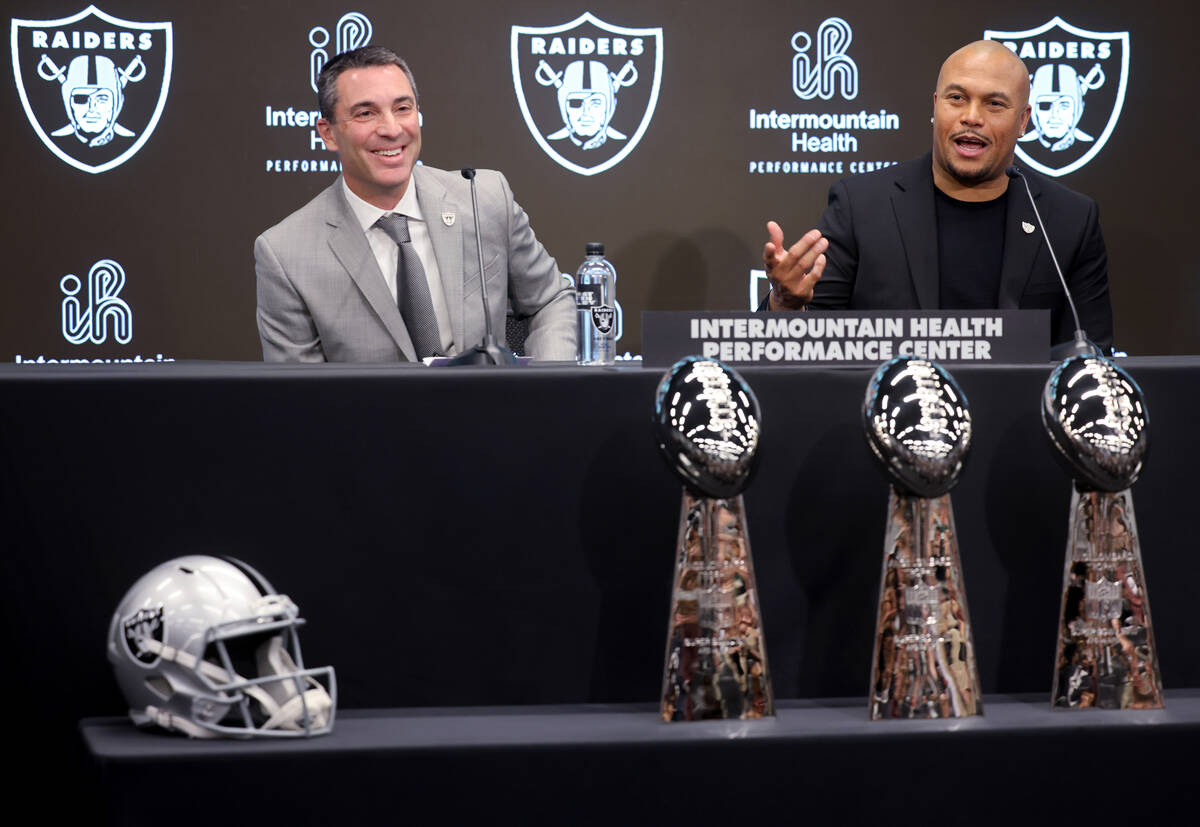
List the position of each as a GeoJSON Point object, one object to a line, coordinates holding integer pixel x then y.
{"type": "Point", "coordinates": [1081, 346]}
{"type": "Point", "coordinates": [489, 351]}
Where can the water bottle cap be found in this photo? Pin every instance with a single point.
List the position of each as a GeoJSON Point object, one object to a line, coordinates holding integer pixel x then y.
{"type": "Point", "coordinates": [595, 248]}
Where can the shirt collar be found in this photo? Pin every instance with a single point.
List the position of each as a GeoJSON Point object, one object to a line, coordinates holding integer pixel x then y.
{"type": "Point", "coordinates": [368, 214]}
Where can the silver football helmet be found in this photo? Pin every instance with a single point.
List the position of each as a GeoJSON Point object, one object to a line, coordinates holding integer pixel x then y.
{"type": "Point", "coordinates": [205, 646]}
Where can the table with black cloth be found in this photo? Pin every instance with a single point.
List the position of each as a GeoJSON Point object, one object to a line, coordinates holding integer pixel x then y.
{"type": "Point", "coordinates": [497, 538]}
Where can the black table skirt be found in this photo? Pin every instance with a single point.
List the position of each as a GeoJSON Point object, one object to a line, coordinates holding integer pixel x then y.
{"type": "Point", "coordinates": [495, 537]}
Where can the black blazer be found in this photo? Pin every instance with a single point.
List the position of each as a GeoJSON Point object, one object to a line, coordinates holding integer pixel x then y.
{"type": "Point", "coordinates": [883, 249]}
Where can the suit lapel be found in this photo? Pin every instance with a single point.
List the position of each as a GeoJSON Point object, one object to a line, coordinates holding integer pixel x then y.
{"type": "Point", "coordinates": [350, 247]}
{"type": "Point", "coordinates": [1020, 245]}
{"type": "Point", "coordinates": [445, 223]}
{"type": "Point", "coordinates": [912, 203]}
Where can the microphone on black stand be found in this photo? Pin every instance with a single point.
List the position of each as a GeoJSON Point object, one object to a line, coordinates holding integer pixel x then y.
{"type": "Point", "coordinates": [489, 351]}
{"type": "Point", "coordinates": [1081, 346]}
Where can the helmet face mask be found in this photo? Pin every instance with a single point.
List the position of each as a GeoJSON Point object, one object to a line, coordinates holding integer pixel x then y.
{"type": "Point", "coordinates": [200, 647]}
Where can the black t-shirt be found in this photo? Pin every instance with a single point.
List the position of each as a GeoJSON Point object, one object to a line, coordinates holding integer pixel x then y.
{"type": "Point", "coordinates": [970, 251]}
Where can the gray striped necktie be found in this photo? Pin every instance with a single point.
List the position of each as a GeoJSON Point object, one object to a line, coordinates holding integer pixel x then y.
{"type": "Point", "coordinates": [412, 289]}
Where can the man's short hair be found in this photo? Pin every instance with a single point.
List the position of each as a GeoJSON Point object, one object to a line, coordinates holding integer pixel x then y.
{"type": "Point", "coordinates": [359, 58]}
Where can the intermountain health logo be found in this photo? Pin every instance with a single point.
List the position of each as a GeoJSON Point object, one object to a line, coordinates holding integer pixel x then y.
{"type": "Point", "coordinates": [101, 310]}
{"type": "Point", "coordinates": [821, 69]}
{"type": "Point", "coordinates": [1078, 81]}
{"type": "Point", "coordinates": [93, 85]}
{"type": "Point", "coordinates": [587, 89]}
{"type": "Point", "coordinates": [300, 140]}
{"type": "Point", "coordinates": [353, 30]}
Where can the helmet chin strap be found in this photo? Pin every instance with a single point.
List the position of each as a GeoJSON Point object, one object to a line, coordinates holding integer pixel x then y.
{"type": "Point", "coordinates": [291, 705]}
{"type": "Point", "coordinates": [288, 712]}
{"type": "Point", "coordinates": [315, 701]}
{"type": "Point", "coordinates": [168, 721]}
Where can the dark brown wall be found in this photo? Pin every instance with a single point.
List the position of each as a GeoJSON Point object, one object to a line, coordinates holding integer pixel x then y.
{"type": "Point", "coordinates": [682, 216]}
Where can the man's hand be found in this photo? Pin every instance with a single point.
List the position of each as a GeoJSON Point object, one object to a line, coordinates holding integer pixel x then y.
{"type": "Point", "coordinates": [793, 271]}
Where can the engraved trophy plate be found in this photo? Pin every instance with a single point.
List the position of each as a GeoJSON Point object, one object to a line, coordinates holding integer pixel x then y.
{"type": "Point", "coordinates": [707, 424]}
{"type": "Point", "coordinates": [919, 429]}
{"type": "Point", "coordinates": [1106, 657]}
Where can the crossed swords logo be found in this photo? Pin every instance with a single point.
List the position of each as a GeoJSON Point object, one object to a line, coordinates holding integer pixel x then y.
{"type": "Point", "coordinates": [94, 102]}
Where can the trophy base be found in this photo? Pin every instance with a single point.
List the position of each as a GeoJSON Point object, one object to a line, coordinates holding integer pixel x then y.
{"type": "Point", "coordinates": [716, 659]}
{"type": "Point", "coordinates": [924, 662]}
{"type": "Point", "coordinates": [1106, 655]}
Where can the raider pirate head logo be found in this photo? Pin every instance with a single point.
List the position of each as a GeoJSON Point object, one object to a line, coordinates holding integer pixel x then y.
{"type": "Point", "coordinates": [587, 89]}
{"type": "Point", "coordinates": [93, 85]}
{"type": "Point", "coordinates": [139, 627]}
{"type": "Point", "coordinates": [1077, 88]}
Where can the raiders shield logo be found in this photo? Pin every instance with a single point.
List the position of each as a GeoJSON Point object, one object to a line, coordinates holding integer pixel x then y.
{"type": "Point", "coordinates": [1078, 80]}
{"type": "Point", "coordinates": [602, 317]}
{"type": "Point", "coordinates": [139, 627]}
{"type": "Point", "coordinates": [587, 89]}
{"type": "Point", "coordinates": [93, 85]}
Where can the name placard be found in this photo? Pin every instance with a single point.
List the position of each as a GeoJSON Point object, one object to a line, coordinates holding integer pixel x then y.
{"type": "Point", "coordinates": [846, 337]}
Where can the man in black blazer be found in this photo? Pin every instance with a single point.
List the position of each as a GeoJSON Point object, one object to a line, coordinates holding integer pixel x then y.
{"type": "Point", "coordinates": [946, 230]}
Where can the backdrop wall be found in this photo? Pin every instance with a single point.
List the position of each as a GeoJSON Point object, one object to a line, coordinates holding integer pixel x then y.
{"type": "Point", "coordinates": [722, 114]}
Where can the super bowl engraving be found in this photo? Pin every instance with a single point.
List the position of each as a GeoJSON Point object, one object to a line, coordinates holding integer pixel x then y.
{"type": "Point", "coordinates": [918, 427]}
{"type": "Point", "coordinates": [707, 425]}
{"type": "Point", "coordinates": [1106, 656]}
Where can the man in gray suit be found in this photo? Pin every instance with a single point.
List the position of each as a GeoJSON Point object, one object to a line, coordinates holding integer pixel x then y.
{"type": "Point", "coordinates": [946, 231]}
{"type": "Point", "coordinates": [376, 270]}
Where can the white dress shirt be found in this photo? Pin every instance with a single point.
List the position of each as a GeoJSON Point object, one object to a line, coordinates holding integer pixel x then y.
{"type": "Point", "coordinates": [386, 251]}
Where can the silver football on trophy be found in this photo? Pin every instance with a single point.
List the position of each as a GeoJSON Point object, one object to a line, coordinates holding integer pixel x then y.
{"type": "Point", "coordinates": [1096, 416]}
{"type": "Point", "coordinates": [707, 424]}
{"type": "Point", "coordinates": [916, 421]}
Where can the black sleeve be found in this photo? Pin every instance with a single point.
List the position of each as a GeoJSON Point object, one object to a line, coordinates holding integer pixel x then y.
{"type": "Point", "coordinates": [836, 287]}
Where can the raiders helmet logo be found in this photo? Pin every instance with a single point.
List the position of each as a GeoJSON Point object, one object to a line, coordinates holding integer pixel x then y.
{"type": "Point", "coordinates": [93, 85]}
{"type": "Point", "coordinates": [139, 627]}
{"type": "Point", "coordinates": [1077, 88]}
{"type": "Point", "coordinates": [587, 89]}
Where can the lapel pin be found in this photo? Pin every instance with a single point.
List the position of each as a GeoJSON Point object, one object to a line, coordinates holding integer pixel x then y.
{"type": "Point", "coordinates": [1027, 227]}
{"type": "Point", "coordinates": [448, 219]}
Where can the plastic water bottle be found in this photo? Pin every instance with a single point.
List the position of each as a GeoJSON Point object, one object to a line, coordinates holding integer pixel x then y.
{"type": "Point", "coordinates": [595, 307]}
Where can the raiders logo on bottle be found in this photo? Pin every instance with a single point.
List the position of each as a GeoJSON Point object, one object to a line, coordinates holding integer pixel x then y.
{"type": "Point", "coordinates": [602, 317]}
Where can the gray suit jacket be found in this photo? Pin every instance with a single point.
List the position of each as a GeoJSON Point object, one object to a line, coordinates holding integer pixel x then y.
{"type": "Point", "coordinates": [321, 296]}
{"type": "Point", "coordinates": [883, 249]}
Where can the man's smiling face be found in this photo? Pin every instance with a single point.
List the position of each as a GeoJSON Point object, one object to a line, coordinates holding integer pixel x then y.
{"type": "Point", "coordinates": [376, 132]}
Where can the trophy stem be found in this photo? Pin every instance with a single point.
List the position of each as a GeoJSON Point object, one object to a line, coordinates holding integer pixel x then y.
{"type": "Point", "coordinates": [716, 658]}
{"type": "Point", "coordinates": [1106, 655]}
{"type": "Point", "coordinates": [924, 659]}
